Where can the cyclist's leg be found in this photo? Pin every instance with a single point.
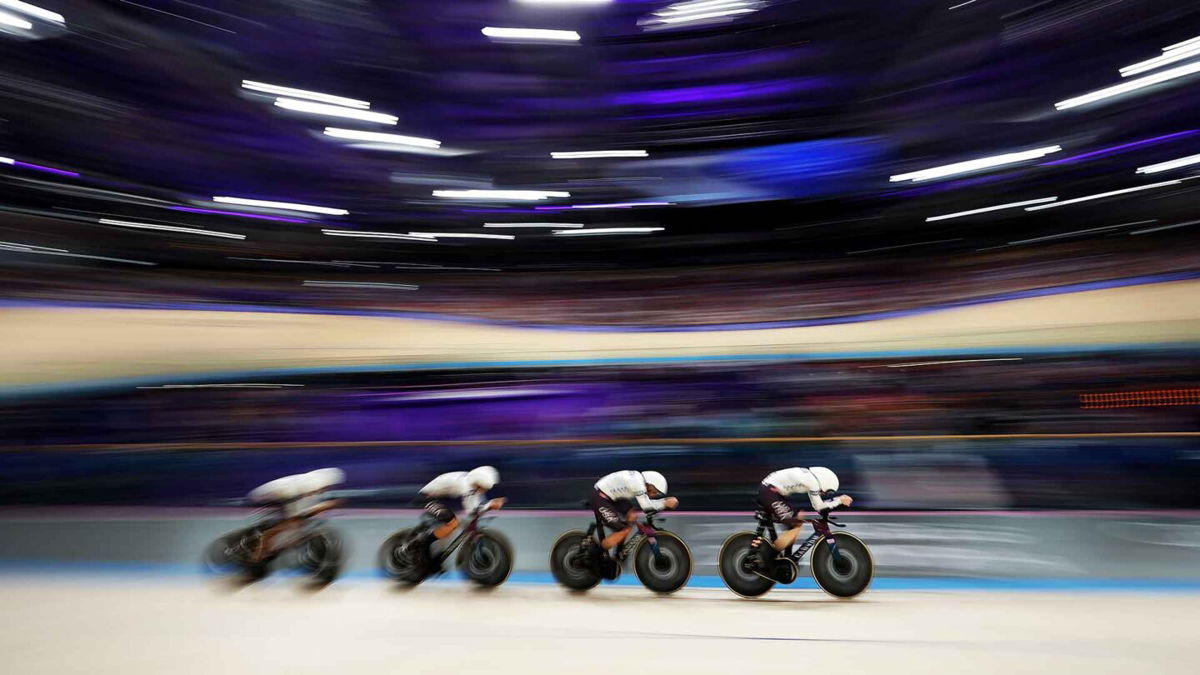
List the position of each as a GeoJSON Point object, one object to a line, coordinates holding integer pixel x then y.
{"type": "Point", "coordinates": [781, 511]}
{"type": "Point", "coordinates": [790, 535]}
{"type": "Point", "coordinates": [444, 520]}
{"type": "Point", "coordinates": [267, 543]}
{"type": "Point", "coordinates": [611, 516]}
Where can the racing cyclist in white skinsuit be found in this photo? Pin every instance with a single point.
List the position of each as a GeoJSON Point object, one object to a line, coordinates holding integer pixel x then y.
{"type": "Point", "coordinates": [295, 499]}
{"type": "Point", "coordinates": [818, 482]}
{"type": "Point", "coordinates": [458, 491]}
{"type": "Point", "coordinates": [618, 496]}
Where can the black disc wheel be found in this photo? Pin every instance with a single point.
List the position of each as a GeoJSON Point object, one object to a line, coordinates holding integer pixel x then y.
{"type": "Point", "coordinates": [570, 564]}
{"type": "Point", "coordinates": [321, 556]}
{"type": "Point", "coordinates": [668, 571]}
{"type": "Point", "coordinates": [233, 554]}
{"type": "Point", "coordinates": [487, 560]}
{"type": "Point", "coordinates": [848, 577]}
{"type": "Point", "coordinates": [400, 559]}
{"type": "Point", "coordinates": [222, 556]}
{"type": "Point", "coordinates": [737, 563]}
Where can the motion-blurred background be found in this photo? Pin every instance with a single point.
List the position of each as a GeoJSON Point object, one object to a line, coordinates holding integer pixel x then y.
{"type": "Point", "coordinates": [948, 249]}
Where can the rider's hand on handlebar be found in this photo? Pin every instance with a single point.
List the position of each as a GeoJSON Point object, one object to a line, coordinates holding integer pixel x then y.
{"type": "Point", "coordinates": [845, 500]}
{"type": "Point", "coordinates": [670, 502]}
{"type": "Point", "coordinates": [496, 503]}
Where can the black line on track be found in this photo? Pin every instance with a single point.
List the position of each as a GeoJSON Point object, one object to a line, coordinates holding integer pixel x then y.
{"type": "Point", "coordinates": [776, 639]}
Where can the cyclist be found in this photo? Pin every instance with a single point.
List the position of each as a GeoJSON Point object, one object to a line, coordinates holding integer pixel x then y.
{"type": "Point", "coordinates": [295, 499]}
{"type": "Point", "coordinates": [617, 497]}
{"type": "Point", "coordinates": [819, 482]}
{"type": "Point", "coordinates": [457, 491]}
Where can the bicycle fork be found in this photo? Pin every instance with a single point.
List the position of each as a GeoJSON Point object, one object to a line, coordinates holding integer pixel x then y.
{"type": "Point", "coordinates": [830, 541]}
{"type": "Point", "coordinates": [653, 541]}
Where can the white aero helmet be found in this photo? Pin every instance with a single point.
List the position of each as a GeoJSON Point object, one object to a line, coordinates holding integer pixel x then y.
{"type": "Point", "coordinates": [278, 490]}
{"type": "Point", "coordinates": [321, 479]}
{"type": "Point", "coordinates": [485, 477]}
{"type": "Point", "coordinates": [655, 480]}
{"type": "Point", "coordinates": [826, 479]}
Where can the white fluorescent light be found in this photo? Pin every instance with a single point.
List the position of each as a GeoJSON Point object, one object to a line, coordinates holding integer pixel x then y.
{"type": "Point", "coordinates": [608, 230]}
{"type": "Point", "coordinates": [45, 250]}
{"type": "Point", "coordinates": [903, 246]}
{"type": "Point", "coordinates": [1161, 60]}
{"type": "Point", "coordinates": [301, 93]}
{"type": "Point", "coordinates": [531, 34]}
{"type": "Point", "coordinates": [393, 139]}
{"type": "Point", "coordinates": [1063, 235]}
{"type": "Point", "coordinates": [333, 263]}
{"type": "Point", "coordinates": [986, 209]}
{"type": "Point", "coordinates": [699, 6]}
{"type": "Point", "coordinates": [938, 363]}
{"type": "Point", "coordinates": [592, 154]}
{"type": "Point", "coordinates": [100, 257]}
{"type": "Point", "coordinates": [514, 195]}
{"type": "Point", "coordinates": [1103, 194]}
{"type": "Point", "coordinates": [1179, 45]}
{"type": "Point", "coordinates": [170, 228]}
{"type": "Point", "coordinates": [699, 11]}
{"type": "Point", "coordinates": [674, 18]}
{"type": "Point", "coordinates": [97, 257]}
{"type": "Point", "coordinates": [1172, 164]}
{"type": "Point", "coordinates": [7, 160]}
{"type": "Point", "coordinates": [335, 111]}
{"type": "Point", "coordinates": [361, 284]}
{"type": "Point", "coordinates": [419, 266]}
{"type": "Point", "coordinates": [1165, 227]}
{"type": "Point", "coordinates": [13, 244]}
{"type": "Point", "coordinates": [374, 235]}
{"type": "Point", "coordinates": [15, 21]}
{"type": "Point", "coordinates": [975, 164]}
{"type": "Point", "coordinates": [33, 10]}
{"type": "Point", "coordinates": [533, 225]}
{"type": "Point", "coordinates": [287, 206]}
{"type": "Point", "coordinates": [461, 235]}
{"type": "Point", "coordinates": [1132, 85]}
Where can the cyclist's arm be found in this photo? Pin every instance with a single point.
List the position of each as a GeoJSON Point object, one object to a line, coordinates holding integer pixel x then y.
{"type": "Point", "coordinates": [819, 504]}
{"type": "Point", "coordinates": [323, 506]}
{"type": "Point", "coordinates": [472, 502]}
{"type": "Point", "coordinates": [646, 504]}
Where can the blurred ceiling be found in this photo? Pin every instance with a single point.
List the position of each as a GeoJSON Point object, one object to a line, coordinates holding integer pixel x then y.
{"type": "Point", "coordinates": [770, 128]}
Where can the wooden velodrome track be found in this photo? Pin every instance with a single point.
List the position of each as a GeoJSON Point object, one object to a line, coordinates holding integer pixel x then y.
{"type": "Point", "coordinates": [64, 346]}
{"type": "Point", "coordinates": [103, 626]}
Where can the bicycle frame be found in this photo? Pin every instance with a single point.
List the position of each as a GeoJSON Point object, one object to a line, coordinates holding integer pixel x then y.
{"type": "Point", "coordinates": [250, 536]}
{"type": "Point", "coordinates": [468, 531]}
{"type": "Point", "coordinates": [641, 530]}
{"type": "Point", "coordinates": [302, 532]}
{"type": "Point", "coordinates": [820, 529]}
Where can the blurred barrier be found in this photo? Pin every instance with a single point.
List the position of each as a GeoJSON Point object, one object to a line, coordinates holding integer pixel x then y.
{"type": "Point", "coordinates": [1052, 545]}
{"type": "Point", "coordinates": [1020, 471]}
